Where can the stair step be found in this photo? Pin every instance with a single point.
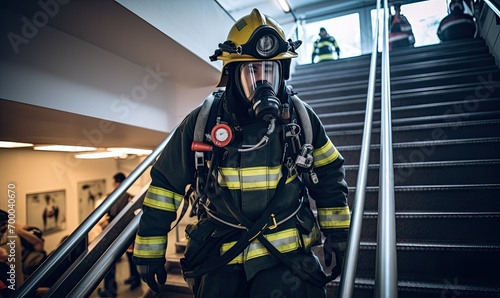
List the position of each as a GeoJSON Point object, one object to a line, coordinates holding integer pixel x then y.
{"type": "Point", "coordinates": [421, 54]}
{"type": "Point", "coordinates": [429, 131]}
{"type": "Point", "coordinates": [331, 115]}
{"type": "Point", "coordinates": [437, 198]}
{"type": "Point", "coordinates": [437, 172]}
{"type": "Point", "coordinates": [418, 151]}
{"type": "Point", "coordinates": [432, 262]}
{"type": "Point", "coordinates": [453, 118]}
{"type": "Point", "coordinates": [428, 79]}
{"type": "Point", "coordinates": [329, 75]}
{"type": "Point", "coordinates": [439, 227]}
{"type": "Point", "coordinates": [482, 87]}
{"type": "Point", "coordinates": [468, 92]}
{"type": "Point", "coordinates": [365, 287]}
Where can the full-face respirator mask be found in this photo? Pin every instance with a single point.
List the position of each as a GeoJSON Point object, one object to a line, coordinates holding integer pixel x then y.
{"type": "Point", "coordinates": [258, 82]}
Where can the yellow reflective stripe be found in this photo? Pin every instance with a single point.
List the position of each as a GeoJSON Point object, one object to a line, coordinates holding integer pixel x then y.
{"type": "Point", "coordinates": [150, 247]}
{"type": "Point", "coordinates": [339, 217]}
{"type": "Point", "coordinates": [325, 154]}
{"type": "Point", "coordinates": [284, 241]}
{"type": "Point", "coordinates": [160, 198]}
{"type": "Point", "coordinates": [254, 178]}
{"type": "Point", "coordinates": [324, 43]}
{"type": "Point", "coordinates": [328, 56]}
{"type": "Point", "coordinates": [310, 239]}
{"type": "Point", "coordinates": [225, 247]}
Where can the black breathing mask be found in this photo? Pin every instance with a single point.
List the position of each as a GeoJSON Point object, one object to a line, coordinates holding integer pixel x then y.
{"type": "Point", "coordinates": [265, 103]}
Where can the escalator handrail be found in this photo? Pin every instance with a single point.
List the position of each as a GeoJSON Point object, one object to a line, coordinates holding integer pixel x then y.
{"type": "Point", "coordinates": [493, 7]}
{"type": "Point", "coordinates": [386, 260]}
{"type": "Point", "coordinates": [93, 277]}
{"type": "Point", "coordinates": [351, 258]}
{"type": "Point", "coordinates": [81, 232]}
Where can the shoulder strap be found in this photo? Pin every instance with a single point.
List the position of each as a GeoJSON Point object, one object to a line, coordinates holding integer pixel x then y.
{"type": "Point", "coordinates": [199, 134]}
{"type": "Point", "coordinates": [205, 114]}
{"type": "Point", "coordinates": [303, 116]}
{"type": "Point", "coordinates": [201, 120]}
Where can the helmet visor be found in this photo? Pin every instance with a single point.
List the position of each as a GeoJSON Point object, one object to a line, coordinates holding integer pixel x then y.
{"type": "Point", "coordinates": [256, 73]}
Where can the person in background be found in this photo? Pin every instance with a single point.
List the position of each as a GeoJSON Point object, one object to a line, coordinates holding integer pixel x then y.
{"type": "Point", "coordinates": [457, 24]}
{"type": "Point", "coordinates": [401, 32]}
{"type": "Point", "coordinates": [29, 245]}
{"type": "Point", "coordinates": [110, 285]}
{"type": "Point", "coordinates": [33, 253]}
{"type": "Point", "coordinates": [323, 47]}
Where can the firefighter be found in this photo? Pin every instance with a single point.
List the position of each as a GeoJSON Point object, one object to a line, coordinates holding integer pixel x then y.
{"type": "Point", "coordinates": [323, 47]}
{"type": "Point", "coordinates": [457, 24]}
{"type": "Point", "coordinates": [254, 171]}
{"type": "Point", "coordinates": [401, 32]}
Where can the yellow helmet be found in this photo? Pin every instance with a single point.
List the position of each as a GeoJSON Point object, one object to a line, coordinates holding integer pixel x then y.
{"type": "Point", "coordinates": [254, 37]}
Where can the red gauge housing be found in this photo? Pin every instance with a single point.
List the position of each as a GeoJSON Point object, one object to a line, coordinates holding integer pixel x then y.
{"type": "Point", "coordinates": [222, 135]}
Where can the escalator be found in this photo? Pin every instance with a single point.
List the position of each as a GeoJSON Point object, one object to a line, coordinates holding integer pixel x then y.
{"type": "Point", "coordinates": [446, 148]}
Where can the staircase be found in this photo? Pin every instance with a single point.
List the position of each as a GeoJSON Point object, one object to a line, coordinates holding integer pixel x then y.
{"type": "Point", "coordinates": [446, 142]}
{"type": "Point", "coordinates": [446, 135]}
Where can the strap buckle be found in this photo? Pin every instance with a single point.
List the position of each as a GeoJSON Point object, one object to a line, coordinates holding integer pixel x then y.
{"type": "Point", "coordinates": [275, 225]}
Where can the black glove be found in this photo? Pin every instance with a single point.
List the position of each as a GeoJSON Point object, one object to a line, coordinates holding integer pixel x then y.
{"type": "Point", "coordinates": [153, 275]}
{"type": "Point", "coordinates": [334, 244]}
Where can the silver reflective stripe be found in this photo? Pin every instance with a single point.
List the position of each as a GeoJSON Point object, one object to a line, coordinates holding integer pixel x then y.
{"type": "Point", "coordinates": [334, 217]}
{"type": "Point", "coordinates": [149, 246]}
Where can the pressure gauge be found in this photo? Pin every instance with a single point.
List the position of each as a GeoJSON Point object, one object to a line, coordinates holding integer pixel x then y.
{"type": "Point", "coordinates": [222, 135]}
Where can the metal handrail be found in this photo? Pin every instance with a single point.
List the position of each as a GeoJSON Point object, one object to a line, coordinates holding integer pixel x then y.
{"type": "Point", "coordinates": [87, 284]}
{"type": "Point", "coordinates": [351, 260]}
{"type": "Point", "coordinates": [58, 256]}
{"type": "Point", "coordinates": [386, 261]}
{"type": "Point", "coordinates": [493, 7]}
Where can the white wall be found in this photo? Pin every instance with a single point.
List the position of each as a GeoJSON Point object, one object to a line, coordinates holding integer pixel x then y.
{"type": "Point", "coordinates": [35, 171]}
{"type": "Point", "coordinates": [197, 25]}
{"type": "Point", "coordinates": [59, 71]}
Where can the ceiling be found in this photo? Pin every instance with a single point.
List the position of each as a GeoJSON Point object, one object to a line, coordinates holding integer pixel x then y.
{"type": "Point", "coordinates": [300, 9]}
{"type": "Point", "coordinates": [37, 125]}
{"type": "Point", "coordinates": [110, 26]}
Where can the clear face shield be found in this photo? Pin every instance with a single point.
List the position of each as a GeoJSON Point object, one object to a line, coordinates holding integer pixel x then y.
{"type": "Point", "coordinates": [258, 73]}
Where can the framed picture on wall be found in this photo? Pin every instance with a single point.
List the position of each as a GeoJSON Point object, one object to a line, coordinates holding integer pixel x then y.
{"type": "Point", "coordinates": [89, 192]}
{"type": "Point", "coordinates": [47, 211]}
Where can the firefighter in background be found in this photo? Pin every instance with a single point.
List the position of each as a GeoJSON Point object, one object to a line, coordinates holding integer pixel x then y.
{"type": "Point", "coordinates": [255, 228]}
{"type": "Point", "coordinates": [323, 47]}
{"type": "Point", "coordinates": [457, 24]}
{"type": "Point", "coordinates": [401, 33]}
